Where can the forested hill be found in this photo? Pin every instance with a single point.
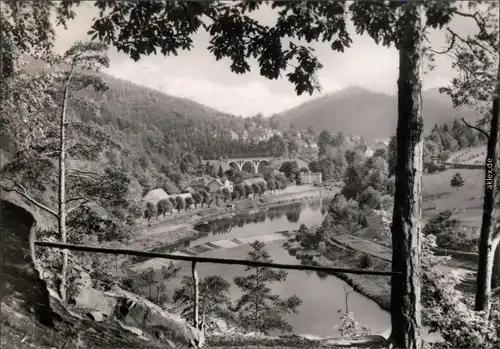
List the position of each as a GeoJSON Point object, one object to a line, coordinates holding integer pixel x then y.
{"type": "Point", "coordinates": [162, 122]}
{"type": "Point", "coordinates": [356, 110]}
{"type": "Point", "coordinates": [165, 139]}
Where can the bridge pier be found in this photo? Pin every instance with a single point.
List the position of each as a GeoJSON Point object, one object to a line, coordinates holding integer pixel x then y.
{"type": "Point", "coordinates": [255, 162]}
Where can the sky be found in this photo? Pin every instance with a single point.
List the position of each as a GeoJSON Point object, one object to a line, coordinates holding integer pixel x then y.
{"type": "Point", "coordinates": [198, 76]}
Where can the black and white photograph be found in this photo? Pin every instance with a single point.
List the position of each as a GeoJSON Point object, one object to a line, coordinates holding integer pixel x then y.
{"type": "Point", "coordinates": [249, 174]}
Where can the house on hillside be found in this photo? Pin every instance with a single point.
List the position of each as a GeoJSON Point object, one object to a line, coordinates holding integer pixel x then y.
{"type": "Point", "coordinates": [218, 184]}
{"type": "Point", "coordinates": [155, 195]}
{"type": "Point", "coordinates": [369, 152]}
{"type": "Point", "coordinates": [234, 136]}
{"type": "Point", "coordinates": [366, 150]}
{"type": "Point", "coordinates": [313, 145]}
{"type": "Point", "coordinates": [310, 177]}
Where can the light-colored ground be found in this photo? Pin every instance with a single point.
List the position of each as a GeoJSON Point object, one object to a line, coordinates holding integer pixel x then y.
{"type": "Point", "coordinates": [382, 252]}
{"type": "Point", "coordinates": [174, 227]}
{"type": "Point", "coordinates": [466, 202]}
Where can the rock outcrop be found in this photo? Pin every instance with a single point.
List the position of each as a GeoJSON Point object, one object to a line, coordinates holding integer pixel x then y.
{"type": "Point", "coordinates": [134, 311]}
{"type": "Point", "coordinates": [34, 317]}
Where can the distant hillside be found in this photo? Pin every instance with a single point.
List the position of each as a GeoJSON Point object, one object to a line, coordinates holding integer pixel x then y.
{"type": "Point", "coordinates": [357, 110]}
{"type": "Point", "coordinates": [163, 120]}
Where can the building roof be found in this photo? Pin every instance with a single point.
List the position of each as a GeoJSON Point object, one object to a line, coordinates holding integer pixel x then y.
{"type": "Point", "coordinates": [183, 195]}
{"type": "Point", "coordinates": [156, 195]}
{"type": "Point", "coordinates": [256, 180]}
{"type": "Point", "coordinates": [220, 181]}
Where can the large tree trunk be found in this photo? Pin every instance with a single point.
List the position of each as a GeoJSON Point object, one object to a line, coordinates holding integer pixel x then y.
{"type": "Point", "coordinates": [487, 243]}
{"type": "Point", "coordinates": [405, 289]}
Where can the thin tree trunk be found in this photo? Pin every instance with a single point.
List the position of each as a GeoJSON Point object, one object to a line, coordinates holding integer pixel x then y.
{"type": "Point", "coordinates": [405, 290]}
{"type": "Point", "coordinates": [486, 242]}
{"type": "Point", "coordinates": [194, 274]}
{"type": "Point", "coordinates": [62, 188]}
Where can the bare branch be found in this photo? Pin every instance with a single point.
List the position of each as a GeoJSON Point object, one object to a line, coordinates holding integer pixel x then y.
{"type": "Point", "coordinates": [25, 195]}
{"type": "Point", "coordinates": [450, 47]}
{"type": "Point", "coordinates": [476, 128]}
{"type": "Point", "coordinates": [77, 206]}
{"type": "Point", "coordinates": [495, 292]}
{"type": "Point", "coordinates": [83, 174]}
{"type": "Point", "coordinates": [78, 198]}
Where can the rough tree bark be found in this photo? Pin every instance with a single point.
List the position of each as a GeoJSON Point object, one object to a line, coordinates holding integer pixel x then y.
{"type": "Point", "coordinates": [487, 240]}
{"type": "Point", "coordinates": [405, 290]}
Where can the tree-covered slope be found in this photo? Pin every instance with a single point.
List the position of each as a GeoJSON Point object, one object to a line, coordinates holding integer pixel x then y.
{"type": "Point", "coordinates": [357, 110]}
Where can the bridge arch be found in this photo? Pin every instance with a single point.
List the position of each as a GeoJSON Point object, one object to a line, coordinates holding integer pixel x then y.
{"type": "Point", "coordinates": [261, 165]}
{"type": "Point", "coordinates": [249, 166]}
{"type": "Point", "coordinates": [234, 165]}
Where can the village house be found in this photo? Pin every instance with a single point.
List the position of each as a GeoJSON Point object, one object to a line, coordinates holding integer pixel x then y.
{"type": "Point", "coordinates": [244, 135]}
{"type": "Point", "coordinates": [234, 135]}
{"type": "Point", "coordinates": [310, 177]}
{"type": "Point", "coordinates": [218, 184]}
{"type": "Point", "coordinates": [313, 145]}
{"type": "Point", "coordinates": [155, 195]}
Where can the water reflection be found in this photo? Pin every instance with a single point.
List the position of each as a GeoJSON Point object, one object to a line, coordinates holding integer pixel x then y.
{"type": "Point", "coordinates": [290, 213]}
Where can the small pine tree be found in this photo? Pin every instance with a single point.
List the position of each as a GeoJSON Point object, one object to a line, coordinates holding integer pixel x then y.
{"type": "Point", "coordinates": [150, 211]}
{"type": "Point", "coordinates": [147, 278]}
{"type": "Point", "coordinates": [189, 202]}
{"type": "Point", "coordinates": [226, 194]}
{"type": "Point", "coordinates": [248, 190]}
{"type": "Point", "coordinates": [197, 198]}
{"type": "Point", "coordinates": [457, 181]}
{"type": "Point", "coordinates": [220, 173]}
{"type": "Point", "coordinates": [173, 202]}
{"type": "Point", "coordinates": [214, 300]}
{"type": "Point", "coordinates": [163, 207]}
{"type": "Point", "coordinates": [259, 309]}
{"type": "Point", "coordinates": [256, 188]}
{"type": "Point", "coordinates": [180, 203]}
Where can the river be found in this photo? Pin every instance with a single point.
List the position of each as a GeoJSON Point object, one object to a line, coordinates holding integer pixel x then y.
{"type": "Point", "coordinates": [323, 297]}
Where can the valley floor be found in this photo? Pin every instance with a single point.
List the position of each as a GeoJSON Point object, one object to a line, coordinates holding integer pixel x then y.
{"type": "Point", "coordinates": [177, 226]}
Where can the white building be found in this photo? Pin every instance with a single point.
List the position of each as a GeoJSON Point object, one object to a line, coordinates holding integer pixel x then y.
{"type": "Point", "coordinates": [218, 184]}
{"type": "Point", "coordinates": [234, 135]}
{"type": "Point", "coordinates": [155, 195]}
